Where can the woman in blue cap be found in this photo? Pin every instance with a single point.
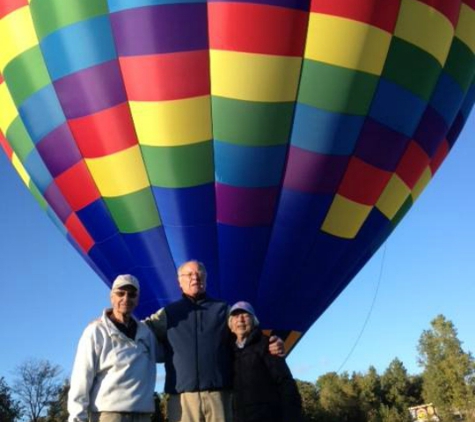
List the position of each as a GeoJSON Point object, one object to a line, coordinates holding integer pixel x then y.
{"type": "Point", "coordinates": [264, 389]}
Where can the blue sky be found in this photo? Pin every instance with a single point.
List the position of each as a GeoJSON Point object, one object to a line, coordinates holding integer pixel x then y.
{"type": "Point", "coordinates": [426, 267]}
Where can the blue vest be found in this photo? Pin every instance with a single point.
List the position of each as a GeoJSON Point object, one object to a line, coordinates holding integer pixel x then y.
{"type": "Point", "coordinates": [198, 351]}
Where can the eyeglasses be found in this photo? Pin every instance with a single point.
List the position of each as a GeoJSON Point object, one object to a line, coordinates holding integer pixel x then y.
{"type": "Point", "coordinates": [190, 275]}
{"type": "Point", "coordinates": [122, 293]}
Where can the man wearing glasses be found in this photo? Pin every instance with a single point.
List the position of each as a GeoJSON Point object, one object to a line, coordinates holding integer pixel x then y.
{"type": "Point", "coordinates": [113, 378]}
{"type": "Point", "coordinates": [198, 351]}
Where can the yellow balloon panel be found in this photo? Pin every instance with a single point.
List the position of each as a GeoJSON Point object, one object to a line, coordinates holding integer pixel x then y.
{"type": "Point", "coordinates": [430, 31]}
{"type": "Point", "coordinates": [172, 123]}
{"type": "Point", "coordinates": [466, 27]}
{"type": "Point", "coordinates": [17, 35]}
{"type": "Point", "coordinates": [254, 77]}
{"type": "Point", "coordinates": [347, 43]}
{"type": "Point", "coordinates": [120, 173]}
{"type": "Point", "coordinates": [393, 196]}
{"type": "Point", "coordinates": [7, 106]}
{"type": "Point", "coordinates": [345, 217]}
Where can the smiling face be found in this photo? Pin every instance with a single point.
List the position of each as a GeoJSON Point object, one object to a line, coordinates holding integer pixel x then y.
{"type": "Point", "coordinates": [124, 301]}
{"type": "Point", "coordinates": [241, 324]}
{"type": "Point", "coordinates": [192, 280]}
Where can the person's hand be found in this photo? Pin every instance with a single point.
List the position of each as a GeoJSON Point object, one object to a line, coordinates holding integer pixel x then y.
{"type": "Point", "coordinates": [276, 346]}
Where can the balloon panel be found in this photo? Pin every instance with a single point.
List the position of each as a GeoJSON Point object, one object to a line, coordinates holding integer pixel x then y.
{"type": "Point", "coordinates": [278, 141]}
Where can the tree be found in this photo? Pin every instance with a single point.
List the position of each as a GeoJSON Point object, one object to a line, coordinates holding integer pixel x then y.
{"type": "Point", "coordinates": [311, 409]}
{"type": "Point", "coordinates": [36, 385]}
{"type": "Point", "coordinates": [392, 414]}
{"type": "Point", "coordinates": [399, 392]}
{"type": "Point", "coordinates": [339, 398]}
{"type": "Point", "coordinates": [448, 376]}
{"type": "Point", "coordinates": [9, 408]}
{"type": "Point", "coordinates": [58, 408]}
{"type": "Point", "coordinates": [395, 386]}
{"type": "Point", "coordinates": [369, 393]}
{"type": "Point", "coordinates": [160, 407]}
{"type": "Point", "coordinates": [415, 389]}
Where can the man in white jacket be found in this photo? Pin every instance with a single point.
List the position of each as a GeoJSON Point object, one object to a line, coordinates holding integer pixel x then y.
{"type": "Point", "coordinates": [113, 378]}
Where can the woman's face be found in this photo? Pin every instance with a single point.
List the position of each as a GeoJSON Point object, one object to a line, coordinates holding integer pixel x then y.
{"type": "Point", "coordinates": [241, 324]}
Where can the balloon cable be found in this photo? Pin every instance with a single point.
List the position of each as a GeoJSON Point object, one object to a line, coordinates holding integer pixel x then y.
{"type": "Point", "coordinates": [369, 312]}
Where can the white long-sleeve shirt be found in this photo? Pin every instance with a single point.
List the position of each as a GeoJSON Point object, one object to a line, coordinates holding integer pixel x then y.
{"type": "Point", "coordinates": [113, 373]}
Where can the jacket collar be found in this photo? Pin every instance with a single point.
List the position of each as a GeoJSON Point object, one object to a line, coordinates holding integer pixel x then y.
{"type": "Point", "coordinates": [199, 299]}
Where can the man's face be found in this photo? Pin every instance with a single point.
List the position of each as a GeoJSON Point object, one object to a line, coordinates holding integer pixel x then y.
{"type": "Point", "coordinates": [124, 300]}
{"type": "Point", "coordinates": [241, 324]}
{"type": "Point", "coordinates": [192, 281]}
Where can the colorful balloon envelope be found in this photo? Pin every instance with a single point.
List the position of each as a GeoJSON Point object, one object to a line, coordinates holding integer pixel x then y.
{"type": "Point", "coordinates": [277, 141]}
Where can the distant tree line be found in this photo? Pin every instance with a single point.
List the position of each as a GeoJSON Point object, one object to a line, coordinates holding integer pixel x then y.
{"type": "Point", "coordinates": [447, 380]}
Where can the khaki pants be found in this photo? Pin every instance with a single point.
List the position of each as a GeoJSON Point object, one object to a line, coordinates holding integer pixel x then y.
{"type": "Point", "coordinates": [120, 417]}
{"type": "Point", "coordinates": [202, 406]}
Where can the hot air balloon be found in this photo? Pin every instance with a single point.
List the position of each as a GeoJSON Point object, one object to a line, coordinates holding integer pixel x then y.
{"type": "Point", "coordinates": [278, 141]}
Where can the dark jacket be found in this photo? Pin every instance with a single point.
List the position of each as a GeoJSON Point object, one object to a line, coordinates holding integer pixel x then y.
{"type": "Point", "coordinates": [197, 352]}
{"type": "Point", "coordinates": [264, 389]}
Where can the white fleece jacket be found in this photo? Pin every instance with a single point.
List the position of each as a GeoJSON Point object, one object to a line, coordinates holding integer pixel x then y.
{"type": "Point", "coordinates": [113, 373]}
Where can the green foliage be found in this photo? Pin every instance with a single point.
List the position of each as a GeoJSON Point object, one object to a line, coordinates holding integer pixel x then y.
{"type": "Point", "coordinates": [311, 409]}
{"type": "Point", "coordinates": [392, 414]}
{"type": "Point", "coordinates": [415, 390]}
{"type": "Point", "coordinates": [369, 393]}
{"type": "Point", "coordinates": [369, 397]}
{"type": "Point", "coordinates": [160, 407]}
{"type": "Point", "coordinates": [339, 398]}
{"type": "Point", "coordinates": [448, 376]}
{"type": "Point", "coordinates": [58, 408]}
{"type": "Point", "coordinates": [398, 389]}
{"type": "Point", "coordinates": [9, 408]}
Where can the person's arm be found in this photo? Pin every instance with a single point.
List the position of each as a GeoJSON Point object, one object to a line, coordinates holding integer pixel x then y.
{"type": "Point", "coordinates": [82, 377]}
{"type": "Point", "coordinates": [291, 403]}
{"type": "Point", "coordinates": [157, 322]}
{"type": "Point", "coordinates": [276, 346]}
{"type": "Point", "coordinates": [159, 349]}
